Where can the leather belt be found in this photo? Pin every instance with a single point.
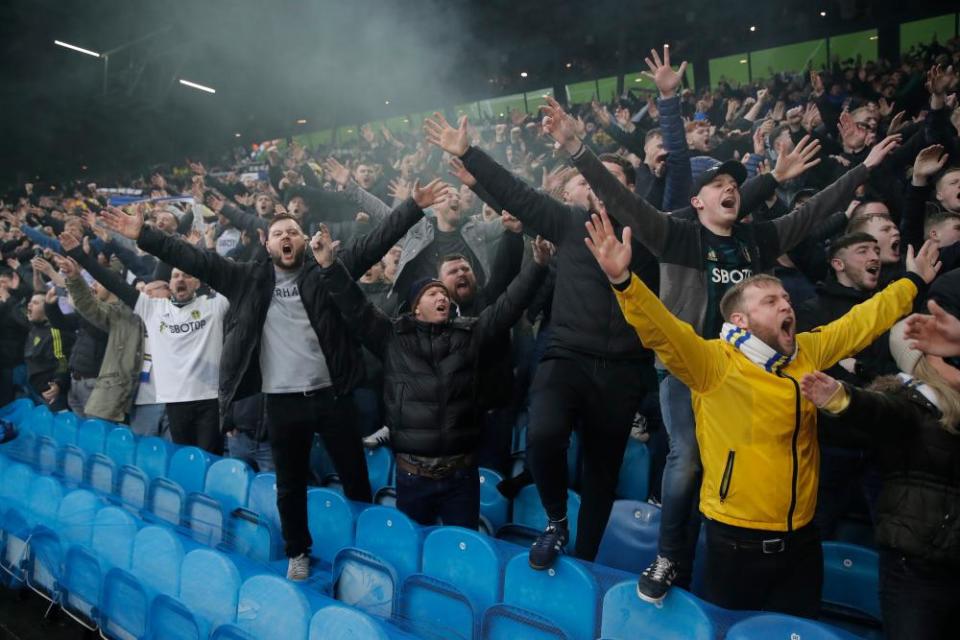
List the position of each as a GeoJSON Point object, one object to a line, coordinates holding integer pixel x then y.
{"type": "Point", "coordinates": [436, 473]}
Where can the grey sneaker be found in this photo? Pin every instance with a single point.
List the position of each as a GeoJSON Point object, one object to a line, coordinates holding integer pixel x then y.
{"type": "Point", "coordinates": [379, 438]}
{"type": "Point", "coordinates": [298, 569]}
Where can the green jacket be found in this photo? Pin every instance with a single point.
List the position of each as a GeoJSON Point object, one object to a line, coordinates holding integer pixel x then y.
{"type": "Point", "coordinates": [117, 382]}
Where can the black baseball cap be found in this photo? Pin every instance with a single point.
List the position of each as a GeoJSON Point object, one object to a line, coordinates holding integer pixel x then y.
{"type": "Point", "coordinates": [732, 168]}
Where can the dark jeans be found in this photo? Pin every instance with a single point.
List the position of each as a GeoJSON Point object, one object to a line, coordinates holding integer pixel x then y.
{"type": "Point", "coordinates": [680, 486]}
{"type": "Point", "coordinates": [454, 499]}
{"type": "Point", "coordinates": [743, 572]}
{"type": "Point", "coordinates": [603, 395]}
{"type": "Point", "coordinates": [847, 477]}
{"type": "Point", "coordinates": [243, 446]}
{"type": "Point", "coordinates": [292, 419]}
{"type": "Point", "coordinates": [196, 423]}
{"type": "Point", "coordinates": [919, 599]}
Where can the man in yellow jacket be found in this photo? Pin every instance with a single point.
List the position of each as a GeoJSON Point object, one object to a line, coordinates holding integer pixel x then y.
{"type": "Point", "coordinates": [757, 434]}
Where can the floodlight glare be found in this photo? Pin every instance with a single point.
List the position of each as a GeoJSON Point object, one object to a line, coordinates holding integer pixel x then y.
{"type": "Point", "coordinates": [194, 85]}
{"type": "Point", "coordinates": [76, 48]}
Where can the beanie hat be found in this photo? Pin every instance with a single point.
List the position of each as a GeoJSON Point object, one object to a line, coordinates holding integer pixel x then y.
{"type": "Point", "coordinates": [903, 354]}
{"type": "Point", "coordinates": [418, 288]}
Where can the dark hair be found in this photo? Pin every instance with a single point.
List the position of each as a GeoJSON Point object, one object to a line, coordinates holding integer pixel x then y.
{"type": "Point", "coordinates": [945, 172]}
{"type": "Point", "coordinates": [653, 133]}
{"type": "Point", "coordinates": [453, 257]}
{"type": "Point", "coordinates": [280, 218]}
{"type": "Point", "coordinates": [777, 132]}
{"type": "Point", "coordinates": [936, 217]}
{"type": "Point", "coordinates": [848, 240]}
{"type": "Point", "coordinates": [628, 171]}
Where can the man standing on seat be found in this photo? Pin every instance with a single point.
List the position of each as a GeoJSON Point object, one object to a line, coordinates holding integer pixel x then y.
{"type": "Point", "coordinates": [756, 433]}
{"type": "Point", "coordinates": [285, 337]}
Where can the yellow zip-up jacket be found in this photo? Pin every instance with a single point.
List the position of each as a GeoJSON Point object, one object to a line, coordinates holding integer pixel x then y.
{"type": "Point", "coordinates": [757, 434]}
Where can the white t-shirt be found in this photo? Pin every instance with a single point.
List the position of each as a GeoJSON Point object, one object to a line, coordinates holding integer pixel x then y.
{"type": "Point", "coordinates": [291, 360]}
{"type": "Point", "coordinates": [227, 241]}
{"type": "Point", "coordinates": [147, 389]}
{"type": "Point", "coordinates": [186, 343]}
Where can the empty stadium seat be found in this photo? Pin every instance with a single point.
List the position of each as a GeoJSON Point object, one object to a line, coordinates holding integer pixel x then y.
{"type": "Point", "coordinates": [365, 581]}
{"type": "Point", "coordinates": [342, 623]}
{"type": "Point", "coordinates": [188, 468]}
{"type": "Point", "coordinates": [391, 535]}
{"type": "Point", "coordinates": [65, 428]}
{"type": "Point", "coordinates": [851, 579]}
{"type": "Point", "coordinates": [131, 487]}
{"type": "Point", "coordinates": [630, 539]}
{"type": "Point", "coordinates": [493, 505]}
{"type": "Point", "coordinates": [634, 481]}
{"type": "Point", "coordinates": [430, 606]}
{"type": "Point", "coordinates": [154, 569]}
{"type": "Point", "coordinates": [120, 446]}
{"type": "Point", "coordinates": [111, 545]}
{"type": "Point", "coordinates": [37, 507]}
{"type": "Point", "coordinates": [566, 594]}
{"type": "Point", "coordinates": [466, 559]}
{"type": "Point", "coordinates": [331, 521]}
{"type": "Point", "coordinates": [152, 456]}
{"type": "Point", "coordinates": [226, 488]}
{"type": "Point", "coordinates": [772, 626]}
{"type": "Point", "coordinates": [92, 435]}
{"type": "Point", "coordinates": [209, 591]}
{"type": "Point", "coordinates": [506, 622]}
{"type": "Point", "coordinates": [680, 616]}
{"type": "Point", "coordinates": [379, 467]}
{"type": "Point", "coordinates": [386, 497]}
{"type": "Point", "coordinates": [528, 511]}
{"type": "Point", "coordinates": [271, 607]}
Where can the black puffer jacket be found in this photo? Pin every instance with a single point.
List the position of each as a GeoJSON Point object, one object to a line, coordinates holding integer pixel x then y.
{"type": "Point", "coordinates": [918, 513]}
{"type": "Point", "coordinates": [431, 371]}
{"type": "Point", "coordinates": [249, 287]}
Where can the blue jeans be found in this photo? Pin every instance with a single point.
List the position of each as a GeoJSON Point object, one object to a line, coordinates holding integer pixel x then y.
{"type": "Point", "coordinates": [454, 499]}
{"type": "Point", "coordinates": [679, 516]}
{"type": "Point", "coordinates": [918, 598]}
{"type": "Point", "coordinates": [256, 454]}
{"type": "Point", "coordinates": [149, 420]}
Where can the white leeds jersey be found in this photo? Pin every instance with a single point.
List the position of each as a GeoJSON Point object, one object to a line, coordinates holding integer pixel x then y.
{"type": "Point", "coordinates": [186, 343]}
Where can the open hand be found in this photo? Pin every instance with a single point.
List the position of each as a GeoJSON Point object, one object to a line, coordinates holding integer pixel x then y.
{"type": "Point", "coordinates": [928, 162]}
{"type": "Point", "coordinates": [434, 193]}
{"type": "Point", "coordinates": [612, 255]}
{"type": "Point", "coordinates": [662, 74]}
{"type": "Point", "coordinates": [880, 150]}
{"type": "Point", "coordinates": [925, 263]}
{"type": "Point", "coordinates": [337, 171]}
{"type": "Point", "coordinates": [561, 127]}
{"type": "Point", "coordinates": [440, 133]}
{"type": "Point", "coordinates": [460, 172]}
{"type": "Point", "coordinates": [129, 226]}
{"type": "Point", "coordinates": [542, 250]}
{"type": "Point", "coordinates": [68, 266]}
{"type": "Point", "coordinates": [323, 247]}
{"type": "Point", "coordinates": [803, 157]}
{"type": "Point", "coordinates": [818, 388]}
{"type": "Point", "coordinates": [937, 334]}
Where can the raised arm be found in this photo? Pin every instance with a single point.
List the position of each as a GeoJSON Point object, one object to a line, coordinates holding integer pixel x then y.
{"type": "Point", "coordinates": [92, 310]}
{"type": "Point", "coordinates": [364, 251]}
{"type": "Point", "coordinates": [509, 307]}
{"type": "Point", "coordinates": [367, 322]}
{"type": "Point", "coordinates": [226, 276]}
{"type": "Point", "coordinates": [507, 261]}
{"type": "Point", "coordinates": [107, 277]}
{"type": "Point", "coordinates": [539, 212]}
{"type": "Point", "coordinates": [697, 362]}
{"type": "Point", "coordinates": [864, 323]}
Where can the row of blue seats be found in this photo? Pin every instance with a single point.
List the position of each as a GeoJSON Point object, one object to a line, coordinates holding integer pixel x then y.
{"type": "Point", "coordinates": [388, 555]}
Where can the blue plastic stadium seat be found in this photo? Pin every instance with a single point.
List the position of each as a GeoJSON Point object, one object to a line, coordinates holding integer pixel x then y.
{"type": "Point", "coordinates": [634, 482]}
{"type": "Point", "coordinates": [47, 455]}
{"type": "Point", "coordinates": [263, 498]}
{"type": "Point", "coordinates": [209, 591]}
{"type": "Point", "coordinates": [331, 521]}
{"type": "Point", "coordinates": [166, 501]}
{"type": "Point", "coordinates": [74, 525]}
{"type": "Point", "coordinates": [38, 508]}
{"type": "Point", "coordinates": [102, 474]}
{"type": "Point", "coordinates": [335, 622]}
{"type": "Point", "coordinates": [111, 545]}
{"type": "Point", "coordinates": [153, 456]}
{"type": "Point", "coordinates": [154, 570]}
{"type": "Point", "coordinates": [386, 497]}
{"type": "Point", "coordinates": [254, 531]}
{"type": "Point", "coordinates": [65, 428]}
{"type": "Point", "coordinates": [365, 581]}
{"type": "Point", "coordinates": [493, 506]}
{"type": "Point", "coordinates": [132, 487]}
{"type": "Point", "coordinates": [391, 535]}
{"type": "Point", "coordinates": [466, 559]}
{"type": "Point", "coordinates": [630, 539]}
{"type": "Point", "coordinates": [208, 514]}
{"type": "Point", "coordinates": [272, 607]}
{"type": "Point", "coordinates": [851, 578]}
{"type": "Point", "coordinates": [379, 467]}
{"type": "Point", "coordinates": [681, 616]}
{"type": "Point", "coordinates": [506, 622]}
{"type": "Point", "coordinates": [430, 606]}
{"type": "Point", "coordinates": [566, 594]}
{"type": "Point", "coordinates": [73, 465]}
{"type": "Point", "coordinates": [17, 411]}
{"type": "Point", "coordinates": [40, 421]}
{"type": "Point", "coordinates": [188, 468]}
{"type": "Point", "coordinates": [92, 435]}
{"type": "Point", "coordinates": [528, 511]}
{"type": "Point", "coordinates": [772, 626]}
{"type": "Point", "coordinates": [121, 446]}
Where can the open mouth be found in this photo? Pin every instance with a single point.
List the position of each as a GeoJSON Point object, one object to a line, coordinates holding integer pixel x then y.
{"type": "Point", "coordinates": [729, 202]}
{"type": "Point", "coordinates": [895, 247]}
{"type": "Point", "coordinates": [786, 327]}
{"type": "Point", "coordinates": [662, 157]}
{"type": "Point", "coordinates": [873, 269]}
{"type": "Point", "coordinates": [286, 250]}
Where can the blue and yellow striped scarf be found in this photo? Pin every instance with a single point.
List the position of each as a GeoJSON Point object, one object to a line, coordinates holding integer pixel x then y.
{"type": "Point", "coordinates": [756, 350]}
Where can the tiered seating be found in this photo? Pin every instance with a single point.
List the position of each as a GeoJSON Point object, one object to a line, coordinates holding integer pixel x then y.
{"type": "Point", "coordinates": [200, 556]}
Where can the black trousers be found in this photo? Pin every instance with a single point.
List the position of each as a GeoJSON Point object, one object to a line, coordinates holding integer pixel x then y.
{"type": "Point", "coordinates": [196, 423]}
{"type": "Point", "coordinates": [292, 419]}
{"type": "Point", "coordinates": [764, 570]}
{"type": "Point", "coordinates": [918, 598]}
{"type": "Point", "coordinates": [603, 395]}
{"type": "Point", "coordinates": [454, 499]}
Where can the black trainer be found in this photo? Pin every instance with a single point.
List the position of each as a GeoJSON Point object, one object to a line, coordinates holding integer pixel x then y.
{"type": "Point", "coordinates": [656, 580]}
{"type": "Point", "coordinates": [549, 544]}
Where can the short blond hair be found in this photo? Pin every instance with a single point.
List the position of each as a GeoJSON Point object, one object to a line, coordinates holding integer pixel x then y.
{"type": "Point", "coordinates": [732, 300]}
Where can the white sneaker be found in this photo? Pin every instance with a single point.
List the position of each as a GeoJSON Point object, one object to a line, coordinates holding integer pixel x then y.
{"type": "Point", "coordinates": [379, 438]}
{"type": "Point", "coordinates": [298, 569]}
